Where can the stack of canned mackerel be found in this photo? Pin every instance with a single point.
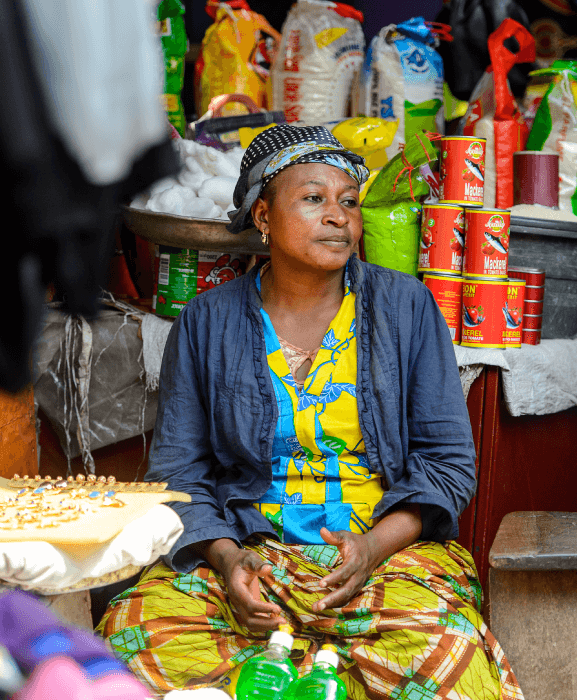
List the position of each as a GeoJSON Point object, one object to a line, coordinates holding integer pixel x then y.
{"type": "Point", "coordinates": [464, 255]}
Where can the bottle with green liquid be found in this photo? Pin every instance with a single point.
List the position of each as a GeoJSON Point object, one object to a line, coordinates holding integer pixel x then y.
{"type": "Point", "coordinates": [322, 682]}
{"type": "Point", "coordinates": [269, 674]}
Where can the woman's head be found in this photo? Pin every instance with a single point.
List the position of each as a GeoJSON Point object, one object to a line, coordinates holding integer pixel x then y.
{"type": "Point", "coordinates": [302, 186]}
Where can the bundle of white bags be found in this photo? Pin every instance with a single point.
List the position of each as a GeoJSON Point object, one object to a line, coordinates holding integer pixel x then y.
{"type": "Point", "coordinates": [204, 187]}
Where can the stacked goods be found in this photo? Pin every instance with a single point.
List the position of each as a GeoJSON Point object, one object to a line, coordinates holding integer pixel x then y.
{"type": "Point", "coordinates": [442, 239]}
{"type": "Point", "coordinates": [321, 51]}
{"type": "Point", "coordinates": [513, 312]}
{"type": "Point", "coordinates": [486, 242]}
{"type": "Point", "coordinates": [533, 302]}
{"type": "Point", "coordinates": [483, 319]}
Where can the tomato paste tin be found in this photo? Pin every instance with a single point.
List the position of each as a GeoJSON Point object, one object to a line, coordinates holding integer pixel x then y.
{"type": "Point", "coordinates": [534, 293]}
{"type": "Point", "coordinates": [184, 273]}
{"type": "Point", "coordinates": [486, 242]}
{"type": "Point", "coordinates": [534, 276]}
{"type": "Point", "coordinates": [513, 312]}
{"type": "Point", "coordinates": [448, 293]}
{"type": "Point", "coordinates": [442, 239]}
{"type": "Point", "coordinates": [483, 318]}
{"type": "Point", "coordinates": [533, 307]}
{"type": "Point", "coordinates": [532, 322]}
{"type": "Point", "coordinates": [530, 337]}
{"type": "Point", "coordinates": [462, 170]}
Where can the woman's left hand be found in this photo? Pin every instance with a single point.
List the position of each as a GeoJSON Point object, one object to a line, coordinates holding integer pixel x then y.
{"type": "Point", "coordinates": [362, 554]}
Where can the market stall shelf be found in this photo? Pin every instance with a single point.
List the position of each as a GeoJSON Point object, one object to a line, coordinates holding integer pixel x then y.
{"type": "Point", "coordinates": [185, 232]}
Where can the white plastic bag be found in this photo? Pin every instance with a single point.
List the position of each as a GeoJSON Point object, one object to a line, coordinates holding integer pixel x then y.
{"type": "Point", "coordinates": [402, 81]}
{"type": "Point", "coordinates": [321, 50]}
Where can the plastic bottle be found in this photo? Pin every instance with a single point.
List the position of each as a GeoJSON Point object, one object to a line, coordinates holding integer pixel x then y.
{"type": "Point", "coordinates": [322, 682]}
{"type": "Point", "coordinates": [268, 674]}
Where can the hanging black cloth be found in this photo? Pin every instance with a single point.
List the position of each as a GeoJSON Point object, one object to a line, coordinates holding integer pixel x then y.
{"type": "Point", "coordinates": [57, 227]}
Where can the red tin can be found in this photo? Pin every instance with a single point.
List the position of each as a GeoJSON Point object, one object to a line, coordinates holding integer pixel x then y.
{"type": "Point", "coordinates": [483, 318]}
{"type": "Point", "coordinates": [513, 312]}
{"type": "Point", "coordinates": [486, 242]}
{"type": "Point", "coordinates": [462, 171]}
{"type": "Point", "coordinates": [448, 293]}
{"type": "Point", "coordinates": [534, 276]}
{"type": "Point", "coordinates": [532, 322]}
{"type": "Point", "coordinates": [530, 337]}
{"type": "Point", "coordinates": [533, 308]}
{"type": "Point", "coordinates": [534, 293]}
{"type": "Point", "coordinates": [442, 239]}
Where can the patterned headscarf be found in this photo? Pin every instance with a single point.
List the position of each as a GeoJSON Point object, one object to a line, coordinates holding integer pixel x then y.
{"type": "Point", "coordinates": [274, 150]}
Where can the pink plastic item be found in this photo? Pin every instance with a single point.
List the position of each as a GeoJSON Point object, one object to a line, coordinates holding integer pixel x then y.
{"type": "Point", "coordinates": [59, 677]}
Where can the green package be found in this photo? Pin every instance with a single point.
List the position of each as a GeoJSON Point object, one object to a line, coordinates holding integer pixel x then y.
{"type": "Point", "coordinates": [392, 208]}
{"type": "Point", "coordinates": [174, 46]}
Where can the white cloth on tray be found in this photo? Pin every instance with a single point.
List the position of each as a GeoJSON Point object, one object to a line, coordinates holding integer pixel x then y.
{"type": "Point", "coordinates": [41, 566]}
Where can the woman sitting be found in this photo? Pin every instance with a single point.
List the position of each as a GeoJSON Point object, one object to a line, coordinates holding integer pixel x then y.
{"type": "Point", "coordinates": [313, 410]}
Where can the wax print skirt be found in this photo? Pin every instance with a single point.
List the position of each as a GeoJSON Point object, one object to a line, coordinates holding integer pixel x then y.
{"type": "Point", "coordinates": [414, 632]}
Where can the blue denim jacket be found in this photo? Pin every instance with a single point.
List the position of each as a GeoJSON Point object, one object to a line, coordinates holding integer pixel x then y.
{"type": "Point", "coordinates": [217, 410]}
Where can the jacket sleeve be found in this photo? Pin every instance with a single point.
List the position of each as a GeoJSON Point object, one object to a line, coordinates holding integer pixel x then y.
{"type": "Point", "coordinates": [440, 468]}
{"type": "Point", "coordinates": [181, 452]}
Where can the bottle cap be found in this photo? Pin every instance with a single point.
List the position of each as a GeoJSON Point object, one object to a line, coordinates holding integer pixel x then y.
{"type": "Point", "coordinates": [327, 656]}
{"type": "Point", "coordinates": [285, 640]}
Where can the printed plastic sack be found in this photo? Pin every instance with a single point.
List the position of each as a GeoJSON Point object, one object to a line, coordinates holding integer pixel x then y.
{"type": "Point", "coordinates": [392, 207]}
{"type": "Point", "coordinates": [236, 54]}
{"type": "Point", "coordinates": [493, 113]}
{"type": "Point", "coordinates": [174, 43]}
{"type": "Point", "coordinates": [321, 50]}
{"type": "Point", "coordinates": [402, 80]}
{"type": "Point", "coordinates": [555, 128]}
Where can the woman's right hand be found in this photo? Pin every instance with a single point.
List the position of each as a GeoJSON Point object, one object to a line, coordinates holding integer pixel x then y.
{"type": "Point", "coordinates": [241, 570]}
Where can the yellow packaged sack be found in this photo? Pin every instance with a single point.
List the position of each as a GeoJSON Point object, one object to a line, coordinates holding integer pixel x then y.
{"type": "Point", "coordinates": [367, 137]}
{"type": "Point", "coordinates": [236, 55]}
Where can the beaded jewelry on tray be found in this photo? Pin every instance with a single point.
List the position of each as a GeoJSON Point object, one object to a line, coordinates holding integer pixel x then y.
{"type": "Point", "coordinates": [35, 506]}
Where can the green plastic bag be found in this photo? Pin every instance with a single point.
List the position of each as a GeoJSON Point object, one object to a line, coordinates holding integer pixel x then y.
{"type": "Point", "coordinates": [392, 208]}
{"type": "Point", "coordinates": [555, 127]}
{"type": "Point", "coordinates": [174, 46]}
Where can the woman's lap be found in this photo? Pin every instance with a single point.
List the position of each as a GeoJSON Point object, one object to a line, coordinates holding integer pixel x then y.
{"type": "Point", "coordinates": [414, 632]}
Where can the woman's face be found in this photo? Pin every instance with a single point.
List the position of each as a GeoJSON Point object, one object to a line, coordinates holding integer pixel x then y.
{"type": "Point", "coordinates": [313, 216]}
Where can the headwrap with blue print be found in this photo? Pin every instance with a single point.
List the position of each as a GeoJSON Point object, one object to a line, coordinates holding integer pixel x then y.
{"type": "Point", "coordinates": [274, 150]}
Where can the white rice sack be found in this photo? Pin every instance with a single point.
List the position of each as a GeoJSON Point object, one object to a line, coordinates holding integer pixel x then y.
{"type": "Point", "coordinates": [219, 189]}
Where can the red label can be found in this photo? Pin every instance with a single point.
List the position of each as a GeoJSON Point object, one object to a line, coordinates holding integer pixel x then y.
{"type": "Point", "coordinates": [448, 293]}
{"type": "Point", "coordinates": [513, 312]}
{"type": "Point", "coordinates": [532, 322]}
{"type": "Point", "coordinates": [534, 276]}
{"type": "Point", "coordinates": [486, 242]}
{"type": "Point", "coordinates": [462, 170]}
{"type": "Point", "coordinates": [442, 239]}
{"type": "Point", "coordinates": [483, 317]}
{"type": "Point", "coordinates": [533, 308]}
{"type": "Point", "coordinates": [531, 337]}
{"type": "Point", "coordinates": [534, 293]}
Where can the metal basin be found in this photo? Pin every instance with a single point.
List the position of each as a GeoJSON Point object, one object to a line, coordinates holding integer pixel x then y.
{"type": "Point", "coordinates": [184, 232]}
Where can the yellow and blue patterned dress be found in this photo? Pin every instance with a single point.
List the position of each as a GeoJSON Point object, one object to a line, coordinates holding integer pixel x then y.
{"type": "Point", "coordinates": [321, 475]}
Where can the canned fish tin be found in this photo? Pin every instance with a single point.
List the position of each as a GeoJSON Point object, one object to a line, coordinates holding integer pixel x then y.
{"type": "Point", "coordinates": [513, 311]}
{"type": "Point", "coordinates": [483, 319]}
{"type": "Point", "coordinates": [486, 242]}
{"type": "Point", "coordinates": [184, 273]}
{"type": "Point", "coordinates": [534, 293]}
{"type": "Point", "coordinates": [448, 293]}
{"type": "Point", "coordinates": [534, 276]}
{"type": "Point", "coordinates": [530, 337]}
{"type": "Point", "coordinates": [533, 307]}
{"type": "Point", "coordinates": [462, 171]}
{"type": "Point", "coordinates": [532, 322]}
{"type": "Point", "coordinates": [442, 239]}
